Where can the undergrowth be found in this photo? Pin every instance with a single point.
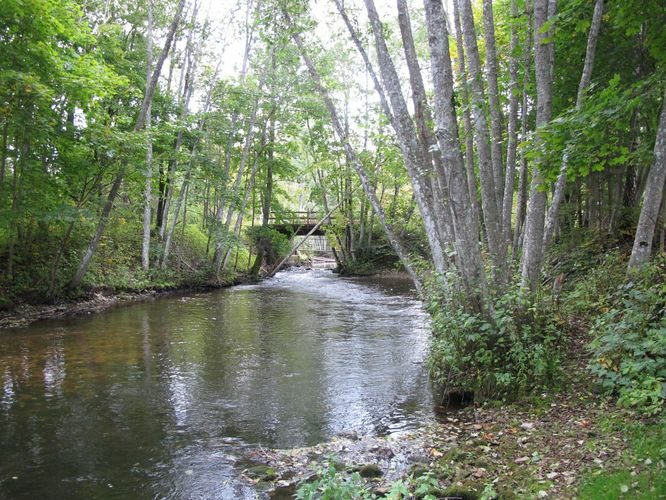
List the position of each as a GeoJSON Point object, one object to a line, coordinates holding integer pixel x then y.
{"type": "Point", "coordinates": [513, 349]}
{"type": "Point", "coordinates": [629, 346]}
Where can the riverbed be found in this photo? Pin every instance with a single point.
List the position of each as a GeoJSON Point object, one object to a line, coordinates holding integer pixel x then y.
{"type": "Point", "coordinates": [161, 399]}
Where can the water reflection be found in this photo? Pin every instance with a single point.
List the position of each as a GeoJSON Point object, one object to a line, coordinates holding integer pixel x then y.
{"type": "Point", "coordinates": [157, 399]}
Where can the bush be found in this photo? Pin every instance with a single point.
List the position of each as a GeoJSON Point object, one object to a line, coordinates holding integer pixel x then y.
{"type": "Point", "coordinates": [515, 349]}
{"type": "Point", "coordinates": [271, 243]}
{"type": "Point", "coordinates": [630, 341]}
{"type": "Point", "coordinates": [333, 486]}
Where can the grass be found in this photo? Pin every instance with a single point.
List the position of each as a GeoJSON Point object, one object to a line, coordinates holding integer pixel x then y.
{"type": "Point", "coordinates": [641, 472]}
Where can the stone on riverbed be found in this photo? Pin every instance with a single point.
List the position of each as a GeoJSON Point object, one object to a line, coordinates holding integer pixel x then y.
{"type": "Point", "coordinates": [261, 473]}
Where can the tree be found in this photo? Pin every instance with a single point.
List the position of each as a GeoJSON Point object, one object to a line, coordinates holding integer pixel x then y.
{"type": "Point", "coordinates": [140, 122]}
{"type": "Point", "coordinates": [642, 248]}
{"type": "Point", "coordinates": [536, 208]}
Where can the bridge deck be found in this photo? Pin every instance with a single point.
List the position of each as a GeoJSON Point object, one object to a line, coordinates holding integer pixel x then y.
{"type": "Point", "coordinates": [295, 223]}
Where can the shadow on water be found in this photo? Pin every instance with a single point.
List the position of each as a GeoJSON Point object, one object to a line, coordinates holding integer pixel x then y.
{"type": "Point", "coordinates": [160, 399]}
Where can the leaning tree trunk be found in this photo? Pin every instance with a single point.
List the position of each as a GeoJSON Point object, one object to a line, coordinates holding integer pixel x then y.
{"type": "Point", "coordinates": [246, 196]}
{"type": "Point", "coordinates": [415, 167]}
{"type": "Point", "coordinates": [181, 201]}
{"type": "Point", "coordinates": [536, 208]}
{"type": "Point", "coordinates": [249, 37]}
{"type": "Point", "coordinates": [249, 138]}
{"type": "Point", "coordinates": [185, 91]}
{"type": "Point", "coordinates": [140, 122]}
{"type": "Point", "coordinates": [642, 249]}
{"type": "Point", "coordinates": [426, 137]}
{"type": "Point", "coordinates": [586, 76]}
{"type": "Point", "coordinates": [395, 242]}
{"type": "Point", "coordinates": [419, 167]}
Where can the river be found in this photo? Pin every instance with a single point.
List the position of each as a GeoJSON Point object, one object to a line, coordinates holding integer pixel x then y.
{"type": "Point", "coordinates": [159, 399]}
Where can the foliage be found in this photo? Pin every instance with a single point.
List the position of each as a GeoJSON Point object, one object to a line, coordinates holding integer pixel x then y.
{"type": "Point", "coordinates": [272, 243]}
{"type": "Point", "coordinates": [594, 276]}
{"type": "Point", "coordinates": [514, 348]}
{"type": "Point", "coordinates": [333, 486]}
{"type": "Point", "coordinates": [630, 341]}
{"type": "Point", "coordinates": [599, 135]}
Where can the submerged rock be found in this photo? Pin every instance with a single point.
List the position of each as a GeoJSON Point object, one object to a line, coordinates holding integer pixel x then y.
{"type": "Point", "coordinates": [261, 473]}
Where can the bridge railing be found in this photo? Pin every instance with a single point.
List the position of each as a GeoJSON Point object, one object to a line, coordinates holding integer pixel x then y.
{"type": "Point", "coordinates": [307, 218]}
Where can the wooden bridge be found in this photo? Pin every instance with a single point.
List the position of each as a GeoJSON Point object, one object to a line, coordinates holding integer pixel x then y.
{"type": "Point", "coordinates": [296, 223]}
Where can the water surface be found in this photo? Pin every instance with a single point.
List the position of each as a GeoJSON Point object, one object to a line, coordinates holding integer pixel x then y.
{"type": "Point", "coordinates": [160, 399]}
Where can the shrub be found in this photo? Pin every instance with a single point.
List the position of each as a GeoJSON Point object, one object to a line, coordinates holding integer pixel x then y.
{"type": "Point", "coordinates": [333, 486]}
{"type": "Point", "coordinates": [273, 244]}
{"type": "Point", "coordinates": [516, 348]}
{"type": "Point", "coordinates": [630, 341]}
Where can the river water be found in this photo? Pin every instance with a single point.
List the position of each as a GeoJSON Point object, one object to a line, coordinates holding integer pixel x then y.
{"type": "Point", "coordinates": [159, 399]}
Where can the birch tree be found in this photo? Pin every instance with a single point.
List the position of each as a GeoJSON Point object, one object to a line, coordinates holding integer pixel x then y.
{"type": "Point", "coordinates": [512, 127]}
{"type": "Point", "coordinates": [493, 102]}
{"type": "Point", "coordinates": [147, 197]}
{"type": "Point", "coordinates": [653, 198]}
{"type": "Point", "coordinates": [418, 164]}
{"type": "Point", "coordinates": [585, 79]}
{"type": "Point", "coordinates": [395, 242]}
{"type": "Point", "coordinates": [532, 258]}
{"type": "Point", "coordinates": [488, 174]}
{"type": "Point", "coordinates": [466, 242]}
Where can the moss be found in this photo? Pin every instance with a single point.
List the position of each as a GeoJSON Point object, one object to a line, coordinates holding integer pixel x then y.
{"type": "Point", "coordinates": [262, 473]}
{"type": "Point", "coordinates": [459, 493]}
{"type": "Point", "coordinates": [641, 472]}
{"type": "Point", "coordinates": [369, 471]}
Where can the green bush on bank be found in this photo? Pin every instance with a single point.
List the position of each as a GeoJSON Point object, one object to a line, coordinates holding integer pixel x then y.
{"type": "Point", "coordinates": [331, 484]}
{"type": "Point", "coordinates": [271, 243]}
{"type": "Point", "coordinates": [630, 340]}
{"type": "Point", "coordinates": [514, 349]}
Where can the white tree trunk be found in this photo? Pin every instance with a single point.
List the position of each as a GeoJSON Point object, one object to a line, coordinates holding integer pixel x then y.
{"type": "Point", "coordinates": [652, 199]}
{"type": "Point", "coordinates": [536, 208]}
{"type": "Point", "coordinates": [418, 165]}
{"type": "Point", "coordinates": [468, 129]}
{"type": "Point", "coordinates": [493, 101]}
{"type": "Point", "coordinates": [489, 202]}
{"type": "Point", "coordinates": [395, 242]}
{"type": "Point", "coordinates": [249, 138]}
{"type": "Point", "coordinates": [512, 130]}
{"type": "Point", "coordinates": [446, 131]}
{"type": "Point", "coordinates": [147, 198]}
{"type": "Point", "coordinates": [140, 122]}
{"type": "Point", "coordinates": [521, 204]}
{"type": "Point", "coordinates": [586, 76]}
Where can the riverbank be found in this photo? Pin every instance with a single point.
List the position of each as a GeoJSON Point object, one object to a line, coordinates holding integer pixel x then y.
{"type": "Point", "coordinates": [574, 438]}
{"type": "Point", "coordinates": [566, 443]}
{"type": "Point", "coordinates": [101, 299]}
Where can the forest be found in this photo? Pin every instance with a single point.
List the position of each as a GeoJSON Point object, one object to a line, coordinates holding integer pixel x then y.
{"type": "Point", "coordinates": [508, 156]}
